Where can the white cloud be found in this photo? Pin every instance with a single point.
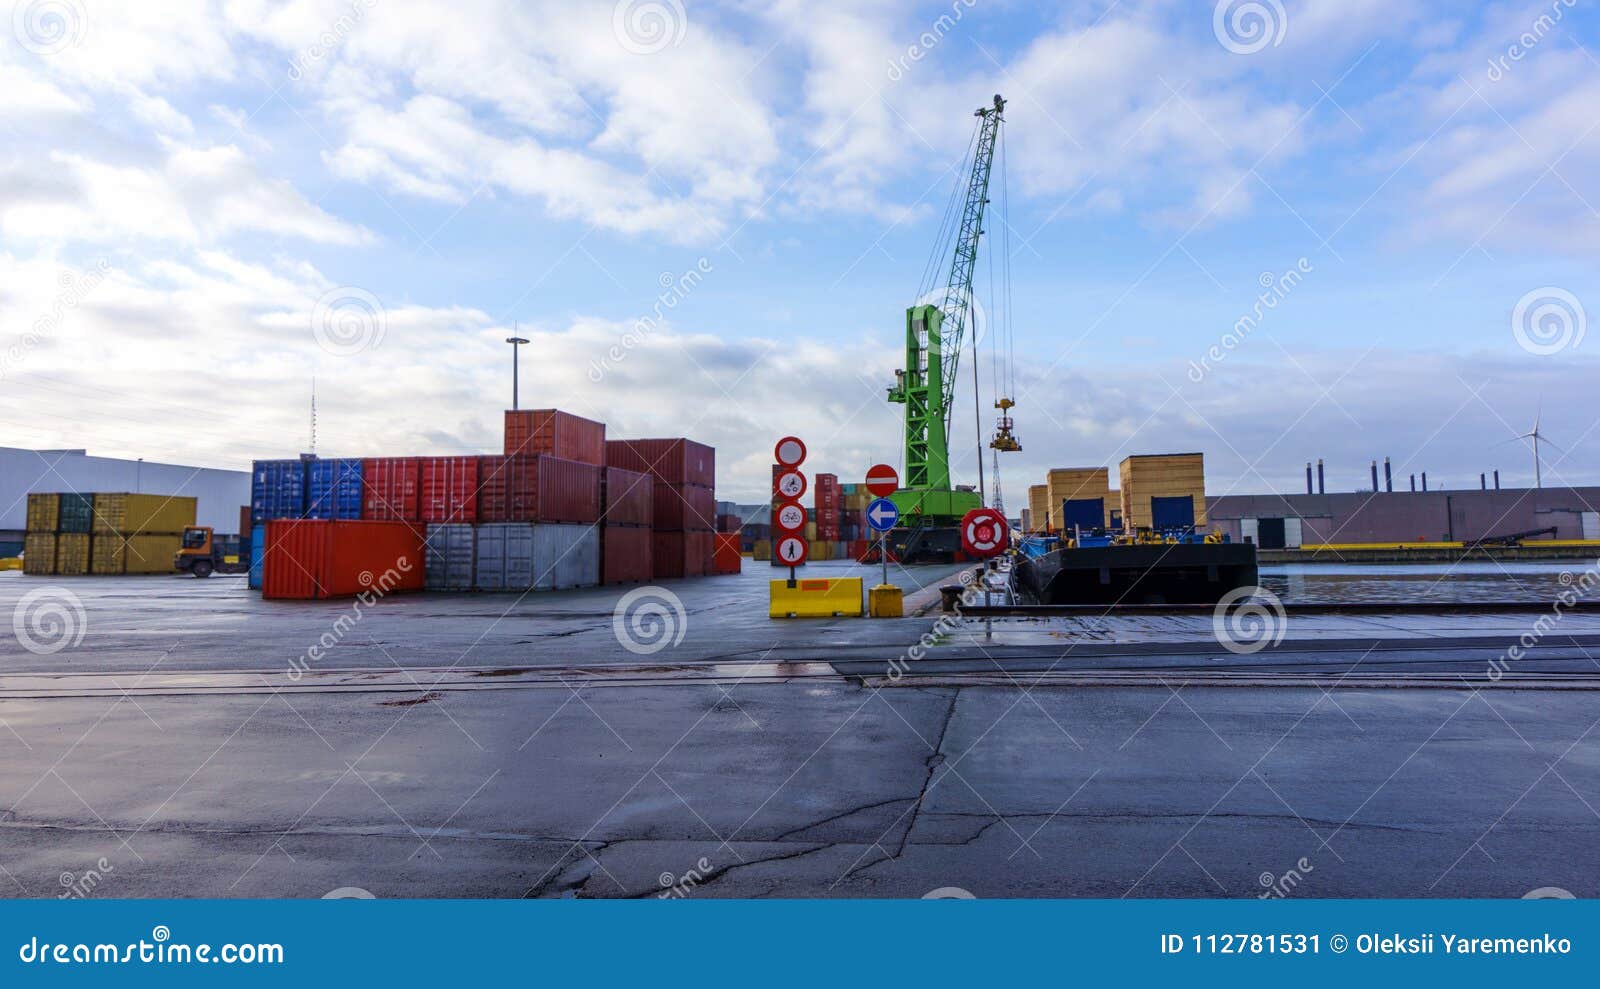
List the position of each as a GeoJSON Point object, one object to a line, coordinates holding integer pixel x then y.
{"type": "Point", "coordinates": [194, 195]}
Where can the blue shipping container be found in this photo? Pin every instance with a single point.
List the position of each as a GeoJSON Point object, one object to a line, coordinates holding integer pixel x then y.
{"type": "Point", "coordinates": [278, 490]}
{"type": "Point", "coordinates": [333, 489]}
{"type": "Point", "coordinates": [258, 552]}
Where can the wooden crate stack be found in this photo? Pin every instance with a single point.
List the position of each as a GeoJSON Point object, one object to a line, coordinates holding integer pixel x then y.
{"type": "Point", "coordinates": [1076, 483]}
{"type": "Point", "coordinates": [1038, 507]}
{"type": "Point", "coordinates": [1169, 475]}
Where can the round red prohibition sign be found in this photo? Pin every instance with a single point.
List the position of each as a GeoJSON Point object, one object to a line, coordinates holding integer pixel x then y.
{"type": "Point", "coordinates": [883, 481]}
{"type": "Point", "coordinates": [790, 517]}
{"type": "Point", "coordinates": [790, 452]}
{"type": "Point", "coordinates": [791, 484]}
{"type": "Point", "coordinates": [984, 532]}
{"type": "Point", "coordinates": [791, 550]}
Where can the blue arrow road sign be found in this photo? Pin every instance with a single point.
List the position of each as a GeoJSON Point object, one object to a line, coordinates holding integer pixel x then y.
{"type": "Point", "coordinates": [882, 515]}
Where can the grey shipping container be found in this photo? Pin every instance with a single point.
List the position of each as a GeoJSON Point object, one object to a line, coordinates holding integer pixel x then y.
{"type": "Point", "coordinates": [450, 557]}
{"type": "Point", "coordinates": [565, 556]}
{"type": "Point", "coordinates": [505, 556]}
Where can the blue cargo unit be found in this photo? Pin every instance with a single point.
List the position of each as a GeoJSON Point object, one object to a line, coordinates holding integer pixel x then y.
{"type": "Point", "coordinates": [278, 490]}
{"type": "Point", "coordinates": [258, 553]}
{"type": "Point", "coordinates": [1083, 513]}
{"type": "Point", "coordinates": [333, 489]}
{"type": "Point", "coordinates": [1172, 514]}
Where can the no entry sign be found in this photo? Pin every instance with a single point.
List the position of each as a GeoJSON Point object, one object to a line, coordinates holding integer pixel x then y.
{"type": "Point", "coordinates": [984, 532]}
{"type": "Point", "coordinates": [882, 480]}
{"type": "Point", "coordinates": [790, 452]}
{"type": "Point", "coordinates": [790, 550]}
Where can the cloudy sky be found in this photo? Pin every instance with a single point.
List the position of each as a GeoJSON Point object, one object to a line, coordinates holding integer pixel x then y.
{"type": "Point", "coordinates": [709, 218]}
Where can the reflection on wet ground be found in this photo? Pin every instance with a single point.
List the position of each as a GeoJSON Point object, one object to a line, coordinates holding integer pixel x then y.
{"type": "Point", "coordinates": [1537, 583]}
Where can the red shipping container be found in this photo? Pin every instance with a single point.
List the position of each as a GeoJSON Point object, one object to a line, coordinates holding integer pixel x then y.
{"type": "Point", "coordinates": [524, 488]}
{"type": "Point", "coordinates": [326, 558]}
{"type": "Point", "coordinates": [684, 507]}
{"type": "Point", "coordinates": [679, 554]}
{"type": "Point", "coordinates": [449, 489]}
{"type": "Point", "coordinates": [392, 488]}
{"type": "Point", "coordinates": [557, 434]}
{"type": "Point", "coordinates": [674, 461]}
{"type": "Point", "coordinates": [625, 554]}
{"type": "Point", "coordinates": [725, 553]}
{"type": "Point", "coordinates": [629, 497]}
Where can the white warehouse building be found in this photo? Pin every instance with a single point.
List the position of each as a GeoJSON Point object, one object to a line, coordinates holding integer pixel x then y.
{"type": "Point", "coordinates": [220, 493]}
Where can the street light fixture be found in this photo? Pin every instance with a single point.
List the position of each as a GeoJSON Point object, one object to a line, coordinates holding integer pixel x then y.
{"type": "Point", "coordinates": [516, 350]}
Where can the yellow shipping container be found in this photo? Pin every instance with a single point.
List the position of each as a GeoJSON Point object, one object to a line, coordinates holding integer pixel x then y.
{"type": "Point", "coordinates": [1077, 483]}
{"type": "Point", "coordinates": [762, 550]}
{"type": "Point", "coordinates": [820, 549]}
{"type": "Point", "coordinates": [39, 553]}
{"type": "Point", "coordinates": [144, 553]}
{"type": "Point", "coordinates": [130, 514]}
{"type": "Point", "coordinates": [1174, 475]}
{"type": "Point", "coordinates": [811, 532]}
{"type": "Point", "coordinates": [857, 502]}
{"type": "Point", "coordinates": [44, 512]}
{"type": "Point", "coordinates": [72, 554]}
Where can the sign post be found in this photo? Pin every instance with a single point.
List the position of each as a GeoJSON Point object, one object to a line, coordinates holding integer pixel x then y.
{"type": "Point", "coordinates": [883, 515]}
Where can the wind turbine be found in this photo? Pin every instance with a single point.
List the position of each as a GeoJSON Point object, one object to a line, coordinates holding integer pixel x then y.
{"type": "Point", "coordinates": [1537, 437]}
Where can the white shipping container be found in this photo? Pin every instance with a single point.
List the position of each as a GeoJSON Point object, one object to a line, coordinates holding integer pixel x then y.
{"type": "Point", "coordinates": [505, 556]}
{"type": "Point", "coordinates": [565, 556]}
{"type": "Point", "coordinates": [448, 562]}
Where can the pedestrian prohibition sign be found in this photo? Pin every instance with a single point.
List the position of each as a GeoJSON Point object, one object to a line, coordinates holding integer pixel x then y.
{"type": "Point", "coordinates": [791, 550]}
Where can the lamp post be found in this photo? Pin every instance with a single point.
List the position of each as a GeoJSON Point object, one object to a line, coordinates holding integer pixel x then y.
{"type": "Point", "coordinates": [516, 350]}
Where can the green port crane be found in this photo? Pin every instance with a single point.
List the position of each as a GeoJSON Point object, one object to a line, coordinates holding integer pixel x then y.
{"type": "Point", "coordinates": [926, 386]}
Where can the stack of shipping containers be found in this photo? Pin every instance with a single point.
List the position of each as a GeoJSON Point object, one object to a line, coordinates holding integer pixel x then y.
{"type": "Point", "coordinates": [627, 542]}
{"type": "Point", "coordinates": [1164, 491]}
{"type": "Point", "coordinates": [684, 500]}
{"type": "Point", "coordinates": [560, 507]}
{"type": "Point", "coordinates": [828, 503]}
{"type": "Point", "coordinates": [139, 533]}
{"type": "Point", "coordinates": [114, 533]}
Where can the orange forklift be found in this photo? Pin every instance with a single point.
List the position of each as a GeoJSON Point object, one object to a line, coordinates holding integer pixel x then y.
{"type": "Point", "coordinates": [204, 553]}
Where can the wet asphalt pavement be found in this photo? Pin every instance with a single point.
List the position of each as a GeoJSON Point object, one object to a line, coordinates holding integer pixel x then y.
{"type": "Point", "coordinates": [741, 763]}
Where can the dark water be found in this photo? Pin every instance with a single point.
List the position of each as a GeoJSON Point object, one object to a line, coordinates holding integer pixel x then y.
{"type": "Point", "coordinates": [1312, 583]}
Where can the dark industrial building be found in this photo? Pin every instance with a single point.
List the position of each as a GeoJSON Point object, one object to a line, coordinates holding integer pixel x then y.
{"type": "Point", "coordinates": [1288, 521]}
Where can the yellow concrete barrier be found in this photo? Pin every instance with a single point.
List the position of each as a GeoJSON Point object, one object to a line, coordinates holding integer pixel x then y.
{"type": "Point", "coordinates": [818, 598]}
{"type": "Point", "coordinates": [886, 601]}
